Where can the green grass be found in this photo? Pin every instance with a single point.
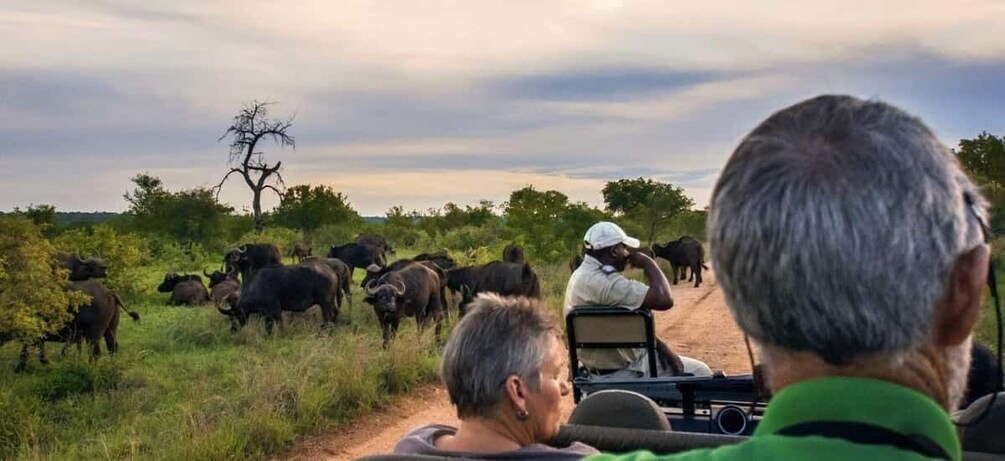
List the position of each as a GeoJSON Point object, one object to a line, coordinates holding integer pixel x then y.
{"type": "Point", "coordinates": [183, 387]}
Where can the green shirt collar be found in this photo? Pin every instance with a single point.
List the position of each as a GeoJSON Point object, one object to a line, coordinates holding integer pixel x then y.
{"type": "Point", "coordinates": [848, 399]}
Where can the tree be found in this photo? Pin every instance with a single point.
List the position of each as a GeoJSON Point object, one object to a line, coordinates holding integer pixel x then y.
{"type": "Point", "coordinates": [190, 216]}
{"type": "Point", "coordinates": [43, 216]}
{"type": "Point", "coordinates": [984, 160]}
{"type": "Point", "coordinates": [34, 299]}
{"type": "Point", "coordinates": [533, 216]}
{"type": "Point", "coordinates": [251, 125]}
{"type": "Point", "coordinates": [308, 208]}
{"type": "Point", "coordinates": [651, 205]}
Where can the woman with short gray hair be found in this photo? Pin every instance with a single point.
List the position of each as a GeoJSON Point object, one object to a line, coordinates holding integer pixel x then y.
{"type": "Point", "coordinates": [504, 370]}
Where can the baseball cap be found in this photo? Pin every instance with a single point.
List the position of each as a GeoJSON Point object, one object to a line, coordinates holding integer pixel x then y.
{"type": "Point", "coordinates": [607, 234]}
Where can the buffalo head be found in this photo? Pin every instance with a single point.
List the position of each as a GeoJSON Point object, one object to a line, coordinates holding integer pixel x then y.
{"type": "Point", "coordinates": [217, 277]}
{"type": "Point", "coordinates": [385, 296]}
{"type": "Point", "coordinates": [234, 310]}
{"type": "Point", "coordinates": [170, 280]}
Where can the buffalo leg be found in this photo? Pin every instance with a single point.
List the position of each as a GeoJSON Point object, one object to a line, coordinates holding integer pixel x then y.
{"type": "Point", "coordinates": [95, 347]}
{"type": "Point", "coordinates": [696, 272]}
{"type": "Point", "coordinates": [270, 322]}
{"type": "Point", "coordinates": [41, 353]}
{"type": "Point", "coordinates": [674, 268]}
{"type": "Point", "coordinates": [22, 361]}
{"type": "Point", "coordinates": [110, 342]}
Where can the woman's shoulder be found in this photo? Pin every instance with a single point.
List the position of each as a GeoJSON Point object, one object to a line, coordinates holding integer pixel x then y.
{"type": "Point", "coordinates": [540, 451]}
{"type": "Point", "coordinates": [419, 441]}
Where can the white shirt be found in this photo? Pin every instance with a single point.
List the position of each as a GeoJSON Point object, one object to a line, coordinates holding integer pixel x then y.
{"type": "Point", "coordinates": [593, 284]}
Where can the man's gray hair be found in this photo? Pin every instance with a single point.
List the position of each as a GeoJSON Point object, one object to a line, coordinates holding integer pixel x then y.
{"type": "Point", "coordinates": [834, 226]}
{"type": "Point", "coordinates": [497, 338]}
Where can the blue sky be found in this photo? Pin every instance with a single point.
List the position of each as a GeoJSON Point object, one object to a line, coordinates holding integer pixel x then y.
{"type": "Point", "coordinates": [420, 103]}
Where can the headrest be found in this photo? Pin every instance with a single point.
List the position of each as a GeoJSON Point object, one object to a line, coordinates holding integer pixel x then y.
{"type": "Point", "coordinates": [618, 408]}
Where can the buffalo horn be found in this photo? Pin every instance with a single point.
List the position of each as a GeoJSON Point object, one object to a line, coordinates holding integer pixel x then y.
{"type": "Point", "coordinates": [370, 287]}
{"type": "Point", "coordinates": [204, 272]}
{"type": "Point", "coordinates": [397, 291]}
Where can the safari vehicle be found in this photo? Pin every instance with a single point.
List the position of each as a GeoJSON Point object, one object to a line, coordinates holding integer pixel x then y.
{"type": "Point", "coordinates": [667, 415]}
{"type": "Point", "coordinates": [712, 405]}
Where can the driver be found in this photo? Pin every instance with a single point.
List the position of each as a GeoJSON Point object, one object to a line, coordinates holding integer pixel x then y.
{"type": "Point", "coordinates": [598, 282]}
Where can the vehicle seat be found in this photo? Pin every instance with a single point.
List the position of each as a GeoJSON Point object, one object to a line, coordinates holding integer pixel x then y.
{"type": "Point", "coordinates": [988, 435]}
{"type": "Point", "coordinates": [619, 408]}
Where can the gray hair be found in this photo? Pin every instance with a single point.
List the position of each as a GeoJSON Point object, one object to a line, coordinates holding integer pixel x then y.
{"type": "Point", "coordinates": [834, 225]}
{"type": "Point", "coordinates": [497, 338]}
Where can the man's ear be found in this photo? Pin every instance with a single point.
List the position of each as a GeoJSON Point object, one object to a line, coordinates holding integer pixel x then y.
{"type": "Point", "coordinates": [516, 391]}
{"type": "Point", "coordinates": [956, 315]}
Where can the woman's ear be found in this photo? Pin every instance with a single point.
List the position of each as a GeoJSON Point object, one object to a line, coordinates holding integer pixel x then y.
{"type": "Point", "coordinates": [516, 391]}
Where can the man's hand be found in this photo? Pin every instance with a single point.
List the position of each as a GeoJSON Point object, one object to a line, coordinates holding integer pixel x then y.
{"type": "Point", "coordinates": [638, 259]}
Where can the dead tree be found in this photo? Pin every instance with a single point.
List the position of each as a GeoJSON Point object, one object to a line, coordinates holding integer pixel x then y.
{"type": "Point", "coordinates": [251, 125]}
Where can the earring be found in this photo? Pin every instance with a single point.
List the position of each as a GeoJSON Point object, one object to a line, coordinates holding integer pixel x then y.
{"type": "Point", "coordinates": [522, 415]}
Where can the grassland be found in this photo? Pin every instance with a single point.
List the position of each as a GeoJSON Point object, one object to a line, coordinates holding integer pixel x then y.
{"type": "Point", "coordinates": [183, 387]}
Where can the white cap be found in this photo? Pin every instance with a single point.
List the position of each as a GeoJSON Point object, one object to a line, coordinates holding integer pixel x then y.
{"type": "Point", "coordinates": [607, 234]}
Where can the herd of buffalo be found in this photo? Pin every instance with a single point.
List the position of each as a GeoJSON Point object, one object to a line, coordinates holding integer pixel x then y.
{"type": "Point", "coordinates": [253, 280]}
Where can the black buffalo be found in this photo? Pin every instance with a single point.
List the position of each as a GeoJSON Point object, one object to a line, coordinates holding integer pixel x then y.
{"type": "Point", "coordinates": [340, 268]}
{"type": "Point", "coordinates": [221, 285]}
{"type": "Point", "coordinates": [81, 269]}
{"type": "Point", "coordinates": [185, 289]}
{"type": "Point", "coordinates": [685, 252]}
{"type": "Point", "coordinates": [513, 253]}
{"type": "Point", "coordinates": [575, 262]}
{"type": "Point", "coordinates": [376, 241]}
{"type": "Point", "coordinates": [506, 279]}
{"type": "Point", "coordinates": [247, 259]}
{"type": "Point", "coordinates": [98, 318]}
{"type": "Point", "coordinates": [440, 258]}
{"type": "Point", "coordinates": [286, 288]}
{"type": "Point", "coordinates": [300, 251]}
{"type": "Point", "coordinates": [411, 291]}
{"type": "Point", "coordinates": [358, 255]}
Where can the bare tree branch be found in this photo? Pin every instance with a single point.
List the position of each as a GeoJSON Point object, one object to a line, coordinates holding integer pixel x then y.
{"type": "Point", "coordinates": [219, 186]}
{"type": "Point", "coordinates": [250, 126]}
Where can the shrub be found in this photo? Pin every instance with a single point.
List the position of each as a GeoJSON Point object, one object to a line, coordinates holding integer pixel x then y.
{"type": "Point", "coordinates": [122, 252]}
{"type": "Point", "coordinates": [281, 237]}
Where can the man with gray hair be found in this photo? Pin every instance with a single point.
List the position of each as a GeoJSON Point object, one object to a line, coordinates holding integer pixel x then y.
{"type": "Point", "coordinates": [848, 243]}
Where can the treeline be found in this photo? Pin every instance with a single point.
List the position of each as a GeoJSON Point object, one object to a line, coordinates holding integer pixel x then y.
{"type": "Point", "coordinates": [186, 226]}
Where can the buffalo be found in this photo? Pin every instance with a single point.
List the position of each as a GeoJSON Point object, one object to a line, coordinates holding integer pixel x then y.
{"type": "Point", "coordinates": [357, 255]}
{"type": "Point", "coordinates": [506, 279]}
{"type": "Point", "coordinates": [286, 288]}
{"type": "Point", "coordinates": [685, 252]}
{"type": "Point", "coordinates": [440, 258]}
{"type": "Point", "coordinates": [221, 285]}
{"type": "Point", "coordinates": [300, 251]}
{"type": "Point", "coordinates": [81, 269]}
{"type": "Point", "coordinates": [411, 291]}
{"type": "Point", "coordinates": [98, 318]}
{"type": "Point", "coordinates": [340, 268]}
{"type": "Point", "coordinates": [575, 262]}
{"type": "Point", "coordinates": [513, 253]}
{"type": "Point", "coordinates": [185, 289]}
{"type": "Point", "coordinates": [376, 241]}
{"type": "Point", "coordinates": [247, 259]}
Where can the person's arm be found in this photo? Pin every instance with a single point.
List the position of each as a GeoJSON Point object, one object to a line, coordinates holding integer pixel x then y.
{"type": "Point", "coordinates": [658, 298]}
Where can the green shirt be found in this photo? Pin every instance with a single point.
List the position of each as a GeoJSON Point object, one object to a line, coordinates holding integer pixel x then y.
{"type": "Point", "coordinates": [842, 399]}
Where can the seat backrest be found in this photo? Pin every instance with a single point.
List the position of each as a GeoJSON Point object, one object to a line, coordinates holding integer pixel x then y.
{"type": "Point", "coordinates": [605, 327]}
{"type": "Point", "coordinates": [619, 408]}
{"type": "Point", "coordinates": [984, 435]}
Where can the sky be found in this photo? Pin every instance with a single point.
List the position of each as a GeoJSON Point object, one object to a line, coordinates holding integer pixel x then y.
{"type": "Point", "coordinates": [417, 103]}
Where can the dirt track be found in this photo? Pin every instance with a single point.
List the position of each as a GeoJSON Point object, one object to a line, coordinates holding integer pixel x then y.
{"type": "Point", "coordinates": [698, 326]}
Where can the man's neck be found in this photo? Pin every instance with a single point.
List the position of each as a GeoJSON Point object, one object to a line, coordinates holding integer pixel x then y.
{"type": "Point", "coordinates": [922, 370]}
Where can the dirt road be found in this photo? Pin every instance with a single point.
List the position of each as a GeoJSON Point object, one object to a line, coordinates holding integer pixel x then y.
{"type": "Point", "coordinates": [698, 326]}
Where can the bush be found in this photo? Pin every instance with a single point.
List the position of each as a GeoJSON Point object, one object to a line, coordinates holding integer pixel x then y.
{"type": "Point", "coordinates": [183, 258]}
{"type": "Point", "coordinates": [469, 237]}
{"type": "Point", "coordinates": [20, 420]}
{"type": "Point", "coordinates": [281, 237]}
{"type": "Point", "coordinates": [122, 252]}
{"type": "Point", "coordinates": [329, 235]}
{"type": "Point", "coordinates": [79, 377]}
